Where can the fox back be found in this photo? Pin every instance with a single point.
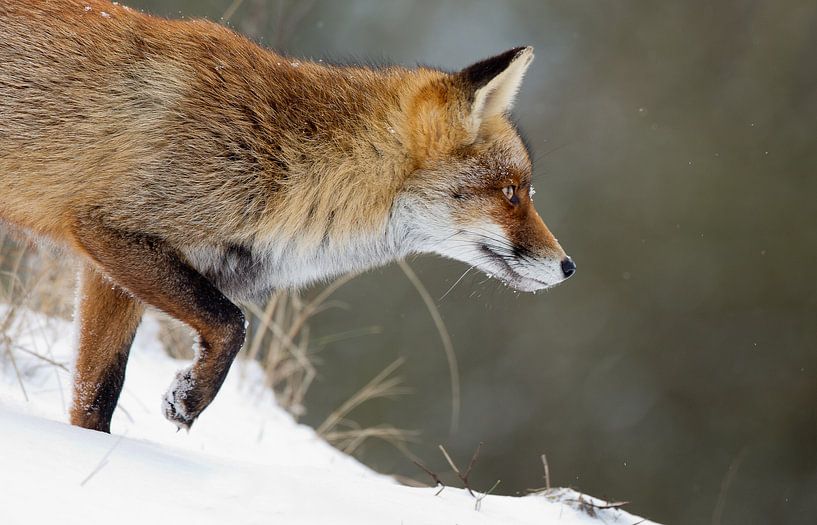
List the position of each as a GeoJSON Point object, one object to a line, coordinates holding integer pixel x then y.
{"type": "Point", "coordinates": [189, 167]}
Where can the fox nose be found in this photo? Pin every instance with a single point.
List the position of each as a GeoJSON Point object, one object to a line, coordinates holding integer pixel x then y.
{"type": "Point", "coordinates": [568, 267]}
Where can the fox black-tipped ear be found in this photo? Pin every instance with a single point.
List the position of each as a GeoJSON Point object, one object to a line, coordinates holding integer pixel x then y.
{"type": "Point", "coordinates": [493, 83]}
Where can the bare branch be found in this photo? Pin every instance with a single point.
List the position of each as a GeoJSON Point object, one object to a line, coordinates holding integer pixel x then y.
{"type": "Point", "coordinates": [473, 461]}
{"type": "Point", "coordinates": [463, 476]}
{"type": "Point", "coordinates": [437, 480]}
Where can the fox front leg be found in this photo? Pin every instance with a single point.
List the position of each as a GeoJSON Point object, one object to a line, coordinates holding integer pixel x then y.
{"type": "Point", "coordinates": [107, 318]}
{"type": "Point", "coordinates": [155, 274]}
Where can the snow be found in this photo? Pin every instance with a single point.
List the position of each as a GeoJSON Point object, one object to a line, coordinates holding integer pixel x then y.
{"type": "Point", "coordinates": [245, 460]}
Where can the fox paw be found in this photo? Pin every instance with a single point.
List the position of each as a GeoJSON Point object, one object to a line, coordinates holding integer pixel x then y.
{"type": "Point", "coordinates": [179, 404]}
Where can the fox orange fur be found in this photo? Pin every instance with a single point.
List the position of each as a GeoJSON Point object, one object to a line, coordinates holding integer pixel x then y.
{"type": "Point", "coordinates": [189, 168]}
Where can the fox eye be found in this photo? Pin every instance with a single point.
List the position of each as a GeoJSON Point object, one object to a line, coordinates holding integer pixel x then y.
{"type": "Point", "coordinates": [510, 194]}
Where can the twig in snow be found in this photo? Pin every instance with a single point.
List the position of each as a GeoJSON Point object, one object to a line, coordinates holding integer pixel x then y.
{"type": "Point", "coordinates": [546, 488]}
{"type": "Point", "coordinates": [103, 461]}
{"type": "Point", "coordinates": [610, 505]}
{"type": "Point", "coordinates": [437, 481]}
{"type": "Point", "coordinates": [547, 472]}
{"type": "Point", "coordinates": [584, 506]}
{"type": "Point", "coordinates": [463, 476]}
{"type": "Point", "coordinates": [478, 503]}
{"type": "Point", "coordinates": [589, 507]}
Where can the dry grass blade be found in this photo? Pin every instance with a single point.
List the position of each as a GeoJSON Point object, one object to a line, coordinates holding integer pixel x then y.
{"type": "Point", "coordinates": [348, 334]}
{"type": "Point", "coordinates": [382, 385]}
{"type": "Point", "coordinates": [41, 357]}
{"type": "Point", "coordinates": [350, 440]}
{"type": "Point", "coordinates": [316, 304]}
{"type": "Point", "coordinates": [279, 340]}
{"type": "Point", "coordinates": [288, 369]}
{"type": "Point", "coordinates": [230, 11]}
{"type": "Point", "coordinates": [25, 275]}
{"type": "Point", "coordinates": [448, 347]}
{"type": "Point", "coordinates": [265, 318]}
{"type": "Point", "coordinates": [731, 472]}
{"type": "Point", "coordinates": [10, 355]}
{"type": "Point", "coordinates": [271, 325]}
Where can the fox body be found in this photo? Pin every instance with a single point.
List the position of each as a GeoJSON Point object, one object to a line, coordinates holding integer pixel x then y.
{"type": "Point", "coordinates": [189, 168]}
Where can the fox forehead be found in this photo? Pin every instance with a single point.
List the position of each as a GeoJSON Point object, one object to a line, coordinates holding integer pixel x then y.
{"type": "Point", "coordinates": [500, 159]}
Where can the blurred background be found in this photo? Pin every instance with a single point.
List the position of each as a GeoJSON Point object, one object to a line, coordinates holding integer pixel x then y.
{"type": "Point", "coordinates": [676, 161]}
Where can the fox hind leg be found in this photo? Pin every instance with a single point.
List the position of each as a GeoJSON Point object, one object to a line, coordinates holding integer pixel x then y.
{"type": "Point", "coordinates": [107, 319]}
{"type": "Point", "coordinates": [158, 276]}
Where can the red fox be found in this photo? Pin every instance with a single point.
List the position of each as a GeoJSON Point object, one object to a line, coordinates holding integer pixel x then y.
{"type": "Point", "coordinates": [189, 168]}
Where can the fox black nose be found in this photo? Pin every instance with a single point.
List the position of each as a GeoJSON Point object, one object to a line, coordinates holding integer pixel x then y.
{"type": "Point", "coordinates": [568, 267]}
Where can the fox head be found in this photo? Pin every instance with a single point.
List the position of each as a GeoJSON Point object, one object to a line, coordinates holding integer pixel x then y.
{"type": "Point", "coordinates": [471, 192]}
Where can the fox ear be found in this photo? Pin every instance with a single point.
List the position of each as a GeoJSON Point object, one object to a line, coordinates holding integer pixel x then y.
{"type": "Point", "coordinates": [492, 83]}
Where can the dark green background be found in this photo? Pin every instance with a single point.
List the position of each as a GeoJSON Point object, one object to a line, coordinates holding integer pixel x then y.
{"type": "Point", "coordinates": [675, 160]}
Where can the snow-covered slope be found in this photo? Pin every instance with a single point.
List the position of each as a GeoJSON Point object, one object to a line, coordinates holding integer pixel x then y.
{"type": "Point", "coordinates": [245, 461]}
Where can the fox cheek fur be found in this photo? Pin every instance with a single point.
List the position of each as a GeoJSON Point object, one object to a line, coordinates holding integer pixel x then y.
{"type": "Point", "coordinates": [188, 168]}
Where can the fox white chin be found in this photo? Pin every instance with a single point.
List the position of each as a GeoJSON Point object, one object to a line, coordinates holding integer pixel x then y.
{"type": "Point", "coordinates": [523, 283]}
{"type": "Point", "coordinates": [526, 284]}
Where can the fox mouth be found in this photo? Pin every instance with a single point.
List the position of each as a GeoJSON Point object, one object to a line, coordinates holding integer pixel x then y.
{"type": "Point", "coordinates": [509, 275]}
